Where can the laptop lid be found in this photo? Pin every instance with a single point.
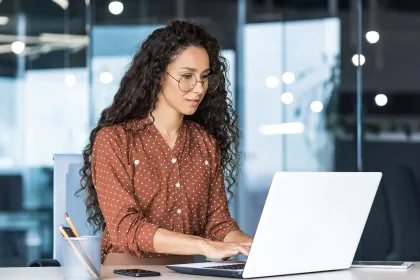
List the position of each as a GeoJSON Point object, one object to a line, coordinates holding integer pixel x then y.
{"type": "Point", "coordinates": [311, 221]}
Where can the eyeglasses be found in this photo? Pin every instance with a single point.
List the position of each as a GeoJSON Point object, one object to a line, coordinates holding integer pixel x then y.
{"type": "Point", "coordinates": [188, 81]}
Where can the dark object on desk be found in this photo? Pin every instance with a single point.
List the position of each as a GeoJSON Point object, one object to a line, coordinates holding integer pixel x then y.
{"type": "Point", "coordinates": [136, 272]}
{"type": "Point", "coordinates": [44, 263]}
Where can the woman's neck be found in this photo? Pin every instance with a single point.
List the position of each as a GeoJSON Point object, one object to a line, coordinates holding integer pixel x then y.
{"type": "Point", "coordinates": [167, 120]}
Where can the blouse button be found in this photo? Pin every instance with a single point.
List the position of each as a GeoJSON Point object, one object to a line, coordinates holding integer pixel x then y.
{"type": "Point", "coordinates": [179, 211]}
{"type": "Point", "coordinates": [177, 185]}
{"type": "Point", "coordinates": [206, 162]}
{"type": "Point", "coordinates": [136, 162]}
{"type": "Point", "coordinates": [173, 160]}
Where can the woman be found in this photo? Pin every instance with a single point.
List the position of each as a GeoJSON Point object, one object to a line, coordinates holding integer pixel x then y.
{"type": "Point", "coordinates": [155, 166]}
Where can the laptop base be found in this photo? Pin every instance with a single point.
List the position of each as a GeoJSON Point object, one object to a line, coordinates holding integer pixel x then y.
{"type": "Point", "coordinates": [207, 271]}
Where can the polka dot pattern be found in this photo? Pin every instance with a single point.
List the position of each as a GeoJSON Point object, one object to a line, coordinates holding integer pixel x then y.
{"type": "Point", "coordinates": [142, 184]}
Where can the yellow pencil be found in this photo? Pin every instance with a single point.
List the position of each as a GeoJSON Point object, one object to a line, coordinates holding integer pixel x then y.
{"type": "Point", "coordinates": [70, 222]}
{"type": "Point", "coordinates": [86, 265]}
{"type": "Point", "coordinates": [76, 233]}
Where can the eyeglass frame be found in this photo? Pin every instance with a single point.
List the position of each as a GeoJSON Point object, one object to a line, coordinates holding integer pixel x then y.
{"type": "Point", "coordinates": [197, 81]}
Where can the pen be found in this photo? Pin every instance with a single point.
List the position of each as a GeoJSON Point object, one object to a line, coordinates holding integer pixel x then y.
{"type": "Point", "coordinates": [64, 233]}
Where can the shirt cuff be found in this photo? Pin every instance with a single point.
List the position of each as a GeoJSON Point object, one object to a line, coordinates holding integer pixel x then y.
{"type": "Point", "coordinates": [146, 236]}
{"type": "Point", "coordinates": [221, 233]}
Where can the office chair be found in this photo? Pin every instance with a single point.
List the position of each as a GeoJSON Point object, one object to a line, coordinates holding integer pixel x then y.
{"type": "Point", "coordinates": [404, 211]}
{"type": "Point", "coordinates": [392, 231]}
{"type": "Point", "coordinates": [374, 246]}
{"type": "Point", "coordinates": [66, 183]}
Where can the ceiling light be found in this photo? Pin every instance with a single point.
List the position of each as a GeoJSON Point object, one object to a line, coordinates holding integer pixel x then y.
{"type": "Point", "coordinates": [272, 81]}
{"type": "Point", "coordinates": [283, 128]}
{"type": "Point", "coordinates": [287, 98]}
{"type": "Point", "coordinates": [288, 77]}
{"type": "Point", "coordinates": [372, 37]}
{"type": "Point", "coordinates": [116, 7]}
{"type": "Point", "coordinates": [4, 20]}
{"type": "Point", "coordinates": [64, 4]}
{"type": "Point", "coordinates": [18, 47]}
{"type": "Point", "coordinates": [105, 77]}
{"type": "Point", "coordinates": [381, 99]}
{"type": "Point", "coordinates": [316, 106]}
{"type": "Point", "coordinates": [355, 59]}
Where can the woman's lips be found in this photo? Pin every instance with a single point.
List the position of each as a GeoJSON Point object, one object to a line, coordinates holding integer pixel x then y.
{"type": "Point", "coordinates": [193, 102]}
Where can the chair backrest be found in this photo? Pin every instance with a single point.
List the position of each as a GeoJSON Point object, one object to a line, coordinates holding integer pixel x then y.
{"type": "Point", "coordinates": [403, 202]}
{"type": "Point", "coordinates": [376, 241]}
{"type": "Point", "coordinates": [66, 183]}
{"type": "Point", "coordinates": [392, 231]}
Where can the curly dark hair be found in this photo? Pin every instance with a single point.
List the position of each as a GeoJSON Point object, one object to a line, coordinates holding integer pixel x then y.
{"type": "Point", "coordinates": [137, 96]}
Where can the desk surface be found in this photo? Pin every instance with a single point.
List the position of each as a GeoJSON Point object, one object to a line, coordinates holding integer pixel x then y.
{"type": "Point", "coordinates": [55, 273]}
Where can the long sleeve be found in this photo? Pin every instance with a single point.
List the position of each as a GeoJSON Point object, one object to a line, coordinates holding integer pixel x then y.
{"type": "Point", "coordinates": [219, 222]}
{"type": "Point", "coordinates": [129, 230]}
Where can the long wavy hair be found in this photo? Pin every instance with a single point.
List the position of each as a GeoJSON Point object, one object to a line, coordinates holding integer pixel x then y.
{"type": "Point", "coordinates": [138, 93]}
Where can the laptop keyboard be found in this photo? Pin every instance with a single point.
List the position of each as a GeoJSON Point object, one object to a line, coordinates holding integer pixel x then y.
{"type": "Point", "coordinates": [229, 266]}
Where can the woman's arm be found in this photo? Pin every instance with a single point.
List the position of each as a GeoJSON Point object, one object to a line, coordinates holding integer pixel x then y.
{"type": "Point", "coordinates": [219, 221]}
{"type": "Point", "coordinates": [170, 242]}
{"type": "Point", "coordinates": [129, 230]}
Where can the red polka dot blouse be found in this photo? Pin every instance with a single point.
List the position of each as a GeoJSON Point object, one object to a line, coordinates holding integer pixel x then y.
{"type": "Point", "coordinates": [142, 184]}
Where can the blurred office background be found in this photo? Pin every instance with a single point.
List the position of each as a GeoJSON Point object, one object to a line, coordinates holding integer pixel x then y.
{"type": "Point", "coordinates": [293, 79]}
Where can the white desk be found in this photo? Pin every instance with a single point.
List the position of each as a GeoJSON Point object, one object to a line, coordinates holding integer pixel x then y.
{"type": "Point", "coordinates": [55, 273]}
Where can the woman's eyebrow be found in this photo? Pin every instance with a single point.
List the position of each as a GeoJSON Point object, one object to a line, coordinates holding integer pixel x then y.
{"type": "Point", "coordinates": [193, 69]}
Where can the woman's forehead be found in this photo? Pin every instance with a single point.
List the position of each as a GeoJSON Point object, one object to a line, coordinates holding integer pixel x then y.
{"type": "Point", "coordinates": [192, 58]}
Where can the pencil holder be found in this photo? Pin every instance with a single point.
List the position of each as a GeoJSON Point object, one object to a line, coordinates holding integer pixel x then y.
{"type": "Point", "coordinates": [82, 257]}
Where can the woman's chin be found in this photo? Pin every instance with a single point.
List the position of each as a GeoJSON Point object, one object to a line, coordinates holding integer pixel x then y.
{"type": "Point", "coordinates": [189, 111]}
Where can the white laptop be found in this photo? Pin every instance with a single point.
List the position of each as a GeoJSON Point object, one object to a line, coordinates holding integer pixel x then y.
{"type": "Point", "coordinates": [311, 222]}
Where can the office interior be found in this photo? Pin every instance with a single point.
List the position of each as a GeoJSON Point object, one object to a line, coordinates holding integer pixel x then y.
{"type": "Point", "coordinates": [306, 97]}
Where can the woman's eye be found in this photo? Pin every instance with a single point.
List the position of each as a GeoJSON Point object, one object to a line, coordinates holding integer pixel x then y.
{"type": "Point", "coordinates": [188, 76]}
{"type": "Point", "coordinates": [204, 77]}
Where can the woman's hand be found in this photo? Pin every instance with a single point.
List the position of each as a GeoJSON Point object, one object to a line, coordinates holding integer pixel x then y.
{"type": "Point", "coordinates": [238, 236]}
{"type": "Point", "coordinates": [222, 250]}
{"type": "Point", "coordinates": [247, 243]}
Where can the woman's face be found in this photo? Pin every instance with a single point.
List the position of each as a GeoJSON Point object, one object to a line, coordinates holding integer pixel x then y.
{"type": "Point", "coordinates": [190, 67]}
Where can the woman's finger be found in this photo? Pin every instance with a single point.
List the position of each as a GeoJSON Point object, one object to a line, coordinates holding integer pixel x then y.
{"type": "Point", "coordinates": [243, 250]}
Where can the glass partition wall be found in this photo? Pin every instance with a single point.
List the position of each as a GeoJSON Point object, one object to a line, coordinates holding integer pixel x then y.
{"type": "Point", "coordinates": [305, 100]}
{"type": "Point", "coordinates": [43, 111]}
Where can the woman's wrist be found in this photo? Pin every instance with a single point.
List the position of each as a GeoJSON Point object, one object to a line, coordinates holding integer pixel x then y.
{"type": "Point", "coordinates": [237, 236]}
{"type": "Point", "coordinates": [202, 243]}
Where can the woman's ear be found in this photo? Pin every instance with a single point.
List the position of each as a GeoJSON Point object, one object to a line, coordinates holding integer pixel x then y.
{"type": "Point", "coordinates": [163, 79]}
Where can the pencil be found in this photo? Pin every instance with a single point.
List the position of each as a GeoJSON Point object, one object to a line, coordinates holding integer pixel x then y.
{"type": "Point", "coordinates": [64, 233]}
{"type": "Point", "coordinates": [76, 233]}
{"type": "Point", "coordinates": [70, 222]}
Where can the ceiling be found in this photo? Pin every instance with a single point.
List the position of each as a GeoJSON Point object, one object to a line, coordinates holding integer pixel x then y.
{"type": "Point", "coordinates": [67, 47]}
{"type": "Point", "coordinates": [44, 17]}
